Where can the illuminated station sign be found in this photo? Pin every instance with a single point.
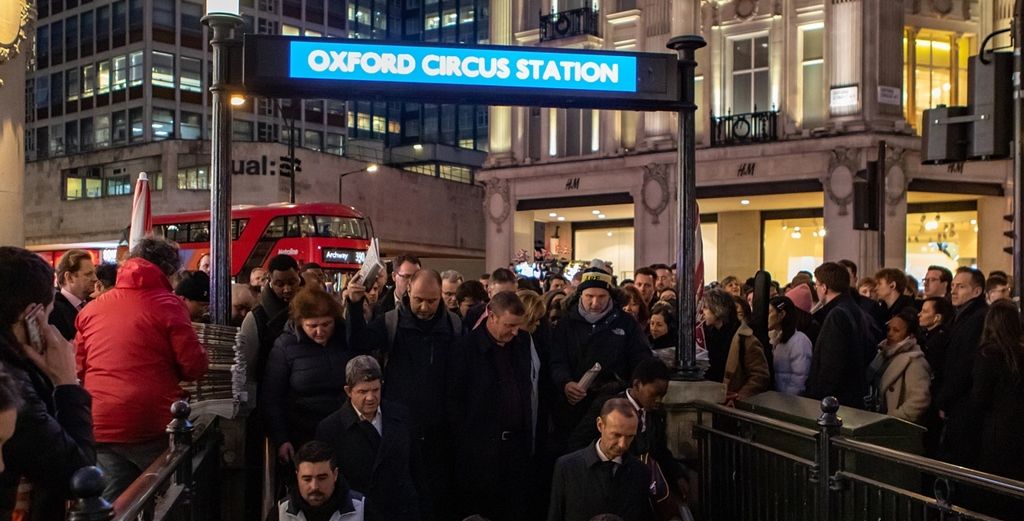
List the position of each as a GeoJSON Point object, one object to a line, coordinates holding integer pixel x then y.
{"type": "Point", "coordinates": [281, 66]}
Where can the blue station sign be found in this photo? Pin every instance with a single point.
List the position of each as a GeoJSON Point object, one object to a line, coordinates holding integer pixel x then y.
{"type": "Point", "coordinates": [281, 66]}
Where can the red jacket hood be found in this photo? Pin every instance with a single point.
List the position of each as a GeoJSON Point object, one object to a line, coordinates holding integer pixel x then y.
{"type": "Point", "coordinates": [138, 273]}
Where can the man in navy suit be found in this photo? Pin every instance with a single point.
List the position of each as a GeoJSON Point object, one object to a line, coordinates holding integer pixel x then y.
{"type": "Point", "coordinates": [76, 280]}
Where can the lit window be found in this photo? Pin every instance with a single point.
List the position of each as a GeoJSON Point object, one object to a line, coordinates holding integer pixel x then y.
{"type": "Point", "coordinates": [312, 140]}
{"type": "Point", "coordinates": [103, 77]}
{"type": "Point", "coordinates": [335, 144]}
{"type": "Point", "coordinates": [163, 124]}
{"type": "Point", "coordinates": [751, 83]}
{"type": "Point", "coordinates": [194, 178]}
{"type": "Point", "coordinates": [313, 33]}
{"type": "Point", "coordinates": [120, 72]}
{"type": "Point", "coordinates": [72, 86]}
{"type": "Point", "coordinates": [290, 30]}
{"type": "Point", "coordinates": [135, 71]}
{"type": "Point", "coordinates": [935, 72]}
{"type": "Point", "coordinates": [432, 22]}
{"type": "Point", "coordinates": [101, 131]}
{"type": "Point", "coordinates": [88, 80]}
{"type": "Point", "coordinates": [191, 74]}
{"type": "Point", "coordinates": [119, 185]}
{"type": "Point", "coordinates": [450, 18]}
{"type": "Point", "coordinates": [190, 125]}
{"type": "Point", "coordinates": [163, 70]}
{"type": "Point", "coordinates": [813, 72]}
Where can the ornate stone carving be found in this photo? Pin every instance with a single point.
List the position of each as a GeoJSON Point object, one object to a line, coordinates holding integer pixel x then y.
{"type": "Point", "coordinates": [896, 181]}
{"type": "Point", "coordinates": [745, 9]}
{"type": "Point", "coordinates": [16, 20]}
{"type": "Point", "coordinates": [942, 6]}
{"type": "Point", "coordinates": [497, 202]}
{"type": "Point", "coordinates": [838, 182]}
{"type": "Point", "coordinates": [654, 194]}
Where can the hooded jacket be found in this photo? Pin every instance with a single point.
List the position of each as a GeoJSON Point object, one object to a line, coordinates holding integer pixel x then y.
{"type": "Point", "coordinates": [134, 344]}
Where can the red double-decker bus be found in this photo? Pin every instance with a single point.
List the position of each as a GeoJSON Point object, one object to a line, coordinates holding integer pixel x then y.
{"type": "Point", "coordinates": [332, 235]}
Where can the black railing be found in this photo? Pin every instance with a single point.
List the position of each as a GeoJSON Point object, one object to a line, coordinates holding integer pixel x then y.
{"type": "Point", "coordinates": [742, 129]}
{"type": "Point", "coordinates": [181, 484]}
{"type": "Point", "coordinates": [566, 24]}
{"type": "Point", "coordinates": [758, 468]}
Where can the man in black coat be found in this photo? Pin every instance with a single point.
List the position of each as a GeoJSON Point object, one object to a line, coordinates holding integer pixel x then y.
{"type": "Point", "coordinates": [840, 354]}
{"type": "Point", "coordinates": [650, 383]}
{"type": "Point", "coordinates": [603, 477]}
{"type": "Point", "coordinates": [594, 331]}
{"type": "Point", "coordinates": [374, 446]}
{"type": "Point", "coordinates": [891, 283]}
{"type": "Point", "coordinates": [415, 341]}
{"type": "Point", "coordinates": [76, 280]}
{"type": "Point", "coordinates": [493, 392]}
{"type": "Point", "coordinates": [959, 442]}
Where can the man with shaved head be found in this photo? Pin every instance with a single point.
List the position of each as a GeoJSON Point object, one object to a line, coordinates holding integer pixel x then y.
{"type": "Point", "coordinates": [414, 342]}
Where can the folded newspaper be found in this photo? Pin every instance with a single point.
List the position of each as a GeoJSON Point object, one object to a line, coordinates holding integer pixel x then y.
{"type": "Point", "coordinates": [372, 265]}
{"type": "Point", "coordinates": [588, 377]}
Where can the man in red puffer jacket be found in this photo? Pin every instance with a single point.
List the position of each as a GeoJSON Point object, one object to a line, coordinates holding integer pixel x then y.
{"type": "Point", "coordinates": [134, 345]}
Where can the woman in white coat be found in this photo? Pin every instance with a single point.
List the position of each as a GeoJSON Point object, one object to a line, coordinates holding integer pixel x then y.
{"type": "Point", "coordinates": [791, 349]}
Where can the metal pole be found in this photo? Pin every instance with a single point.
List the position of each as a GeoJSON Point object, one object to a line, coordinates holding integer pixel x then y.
{"type": "Point", "coordinates": [1018, 145]}
{"type": "Point", "coordinates": [223, 27]}
{"type": "Point", "coordinates": [291, 156]}
{"type": "Point", "coordinates": [686, 196]}
{"type": "Point", "coordinates": [881, 196]}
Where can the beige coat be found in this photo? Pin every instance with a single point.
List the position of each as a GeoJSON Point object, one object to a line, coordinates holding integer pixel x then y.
{"type": "Point", "coordinates": [906, 383]}
{"type": "Point", "coordinates": [752, 376]}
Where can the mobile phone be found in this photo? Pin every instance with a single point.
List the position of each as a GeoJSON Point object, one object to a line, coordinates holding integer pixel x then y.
{"type": "Point", "coordinates": [34, 338]}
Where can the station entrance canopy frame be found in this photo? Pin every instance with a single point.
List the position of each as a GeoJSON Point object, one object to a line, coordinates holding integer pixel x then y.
{"type": "Point", "coordinates": [303, 67]}
{"type": "Point", "coordinates": [328, 68]}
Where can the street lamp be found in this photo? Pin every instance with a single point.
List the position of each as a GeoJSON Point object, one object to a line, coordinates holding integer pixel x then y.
{"type": "Point", "coordinates": [370, 169]}
{"type": "Point", "coordinates": [222, 16]}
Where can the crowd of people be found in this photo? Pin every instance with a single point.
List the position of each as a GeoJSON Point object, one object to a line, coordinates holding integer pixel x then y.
{"type": "Point", "coordinates": [431, 396]}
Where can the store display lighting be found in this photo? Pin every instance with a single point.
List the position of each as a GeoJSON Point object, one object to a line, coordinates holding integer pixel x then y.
{"type": "Point", "coordinates": [552, 214]}
{"type": "Point", "coordinates": [933, 224]}
{"type": "Point", "coordinates": [596, 212]}
{"type": "Point", "coordinates": [561, 217]}
{"type": "Point", "coordinates": [796, 233]}
{"type": "Point", "coordinates": [744, 202]}
{"type": "Point", "coordinates": [822, 232]}
{"type": "Point", "coordinates": [601, 216]}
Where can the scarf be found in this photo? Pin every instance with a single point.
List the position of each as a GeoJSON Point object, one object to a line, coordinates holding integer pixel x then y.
{"type": "Point", "coordinates": [593, 318]}
{"type": "Point", "coordinates": [875, 400]}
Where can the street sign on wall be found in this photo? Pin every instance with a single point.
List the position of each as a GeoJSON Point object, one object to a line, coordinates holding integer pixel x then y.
{"type": "Point", "coordinates": [289, 67]}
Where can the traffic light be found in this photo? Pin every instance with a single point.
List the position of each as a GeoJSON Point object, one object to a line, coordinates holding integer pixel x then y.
{"type": "Point", "coordinates": [991, 104]}
{"type": "Point", "coordinates": [865, 198]}
{"type": "Point", "coordinates": [944, 135]}
{"type": "Point", "coordinates": [1009, 233]}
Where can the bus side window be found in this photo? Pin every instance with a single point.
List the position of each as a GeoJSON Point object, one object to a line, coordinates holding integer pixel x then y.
{"type": "Point", "coordinates": [200, 232]}
{"type": "Point", "coordinates": [275, 230]}
{"type": "Point", "coordinates": [307, 228]}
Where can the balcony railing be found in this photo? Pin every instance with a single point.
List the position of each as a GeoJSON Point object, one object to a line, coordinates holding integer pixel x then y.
{"type": "Point", "coordinates": [742, 129]}
{"type": "Point", "coordinates": [566, 24]}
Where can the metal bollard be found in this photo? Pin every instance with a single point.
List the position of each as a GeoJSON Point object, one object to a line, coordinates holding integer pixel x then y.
{"type": "Point", "coordinates": [87, 485]}
{"type": "Point", "coordinates": [830, 425]}
{"type": "Point", "coordinates": [180, 433]}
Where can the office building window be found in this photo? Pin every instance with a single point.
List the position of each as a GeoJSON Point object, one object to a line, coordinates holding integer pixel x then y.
{"type": "Point", "coordinates": [71, 137]}
{"type": "Point", "coordinates": [72, 85]}
{"type": "Point", "coordinates": [336, 14]}
{"type": "Point", "coordinates": [191, 27]}
{"type": "Point", "coordinates": [315, 11]}
{"type": "Point", "coordinates": [83, 183]}
{"type": "Point", "coordinates": [120, 123]}
{"type": "Point", "coordinates": [71, 38]}
{"type": "Point", "coordinates": [335, 144]}
{"type": "Point", "coordinates": [191, 74]}
{"type": "Point", "coordinates": [120, 184]}
{"type": "Point", "coordinates": [88, 80]}
{"type": "Point", "coordinates": [119, 24]}
{"type": "Point", "coordinates": [313, 140]}
{"type": "Point", "coordinates": [43, 47]}
{"type": "Point", "coordinates": [87, 30]}
{"type": "Point", "coordinates": [85, 133]}
{"type": "Point", "coordinates": [135, 70]}
{"type": "Point", "coordinates": [101, 130]}
{"type": "Point", "coordinates": [813, 75]}
{"type": "Point", "coordinates": [290, 30]}
{"type": "Point", "coordinates": [103, 77]}
{"type": "Point", "coordinates": [459, 174]}
{"type": "Point", "coordinates": [56, 140]}
{"type": "Point", "coordinates": [751, 82]}
{"type": "Point", "coordinates": [56, 94]}
{"type": "Point", "coordinates": [163, 124]}
{"type": "Point", "coordinates": [137, 124]}
{"type": "Point", "coordinates": [163, 69]}
{"type": "Point", "coordinates": [57, 43]}
{"type": "Point", "coordinates": [935, 71]}
{"type": "Point", "coordinates": [42, 94]}
{"type": "Point", "coordinates": [135, 20]}
{"type": "Point", "coordinates": [102, 28]}
{"type": "Point", "coordinates": [164, 18]}
{"type": "Point", "coordinates": [119, 72]}
{"type": "Point", "coordinates": [190, 125]}
{"type": "Point", "coordinates": [194, 178]}
{"type": "Point", "coordinates": [241, 130]}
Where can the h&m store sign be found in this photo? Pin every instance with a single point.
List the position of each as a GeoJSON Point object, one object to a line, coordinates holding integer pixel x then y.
{"type": "Point", "coordinates": [281, 166]}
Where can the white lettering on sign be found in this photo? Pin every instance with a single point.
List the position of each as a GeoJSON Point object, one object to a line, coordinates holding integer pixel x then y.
{"type": "Point", "coordinates": [288, 251]}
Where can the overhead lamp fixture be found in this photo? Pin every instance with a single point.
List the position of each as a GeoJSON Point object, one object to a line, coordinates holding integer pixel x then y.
{"type": "Point", "coordinates": [552, 214]}
{"type": "Point", "coordinates": [237, 100]}
{"type": "Point", "coordinates": [822, 232]}
{"type": "Point", "coordinates": [417, 147]}
{"type": "Point", "coordinates": [974, 221]}
{"type": "Point", "coordinates": [609, 234]}
{"type": "Point", "coordinates": [744, 202]}
{"type": "Point", "coordinates": [601, 216]}
{"type": "Point", "coordinates": [372, 168]}
{"type": "Point", "coordinates": [561, 218]}
{"type": "Point", "coordinates": [932, 225]}
{"type": "Point", "coordinates": [796, 234]}
{"type": "Point", "coordinates": [596, 212]}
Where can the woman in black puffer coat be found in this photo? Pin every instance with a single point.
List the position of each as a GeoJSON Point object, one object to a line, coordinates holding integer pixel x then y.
{"type": "Point", "coordinates": [304, 380]}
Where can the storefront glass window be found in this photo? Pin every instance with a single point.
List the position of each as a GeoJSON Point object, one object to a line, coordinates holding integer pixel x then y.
{"type": "Point", "coordinates": [608, 244]}
{"type": "Point", "coordinates": [793, 245]}
{"type": "Point", "coordinates": [947, 239]}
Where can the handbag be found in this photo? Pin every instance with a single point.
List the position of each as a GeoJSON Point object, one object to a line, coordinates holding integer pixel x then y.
{"type": "Point", "coordinates": [664, 503]}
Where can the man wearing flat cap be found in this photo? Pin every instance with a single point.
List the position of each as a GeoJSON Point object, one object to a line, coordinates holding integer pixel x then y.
{"type": "Point", "coordinates": [194, 290]}
{"type": "Point", "coordinates": [595, 334]}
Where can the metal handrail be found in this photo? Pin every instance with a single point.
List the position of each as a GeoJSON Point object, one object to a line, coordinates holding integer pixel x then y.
{"type": "Point", "coordinates": [141, 493]}
{"type": "Point", "coordinates": [975, 516]}
{"type": "Point", "coordinates": [964, 475]}
{"type": "Point", "coordinates": [764, 421]}
{"type": "Point", "coordinates": [760, 446]}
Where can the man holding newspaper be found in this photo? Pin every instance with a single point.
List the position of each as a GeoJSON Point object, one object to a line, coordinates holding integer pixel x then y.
{"type": "Point", "coordinates": [594, 350]}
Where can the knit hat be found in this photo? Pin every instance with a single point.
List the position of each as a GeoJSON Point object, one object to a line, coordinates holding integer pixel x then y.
{"type": "Point", "coordinates": [194, 285]}
{"type": "Point", "coordinates": [801, 297]}
{"type": "Point", "coordinates": [595, 278]}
